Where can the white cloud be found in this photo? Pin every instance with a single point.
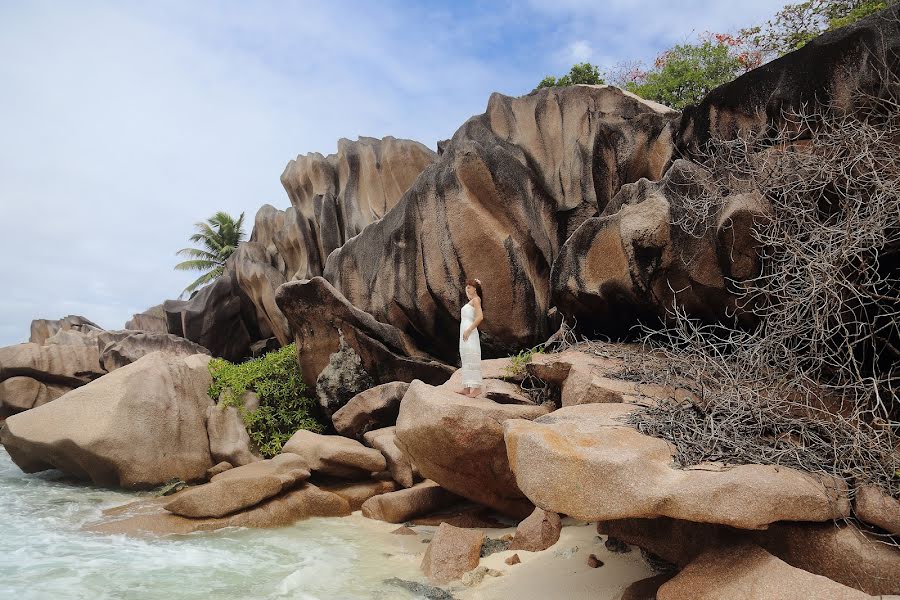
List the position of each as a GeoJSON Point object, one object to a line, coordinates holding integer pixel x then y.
{"type": "Point", "coordinates": [580, 51]}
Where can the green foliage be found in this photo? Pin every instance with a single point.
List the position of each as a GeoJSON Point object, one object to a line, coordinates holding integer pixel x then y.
{"type": "Point", "coordinates": [796, 24]}
{"type": "Point", "coordinates": [283, 409]}
{"type": "Point", "coordinates": [585, 73]}
{"type": "Point", "coordinates": [219, 237]}
{"type": "Point", "coordinates": [687, 72]}
{"type": "Point", "coordinates": [516, 367]}
{"type": "Point", "coordinates": [171, 486]}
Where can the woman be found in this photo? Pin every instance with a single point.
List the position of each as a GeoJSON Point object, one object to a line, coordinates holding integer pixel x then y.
{"type": "Point", "coordinates": [471, 317]}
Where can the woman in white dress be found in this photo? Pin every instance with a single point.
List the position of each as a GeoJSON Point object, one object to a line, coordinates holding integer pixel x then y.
{"type": "Point", "coordinates": [471, 317]}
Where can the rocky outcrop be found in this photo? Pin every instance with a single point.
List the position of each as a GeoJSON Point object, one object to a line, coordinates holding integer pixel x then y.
{"type": "Point", "coordinates": [218, 318]}
{"type": "Point", "coordinates": [152, 320]}
{"type": "Point", "coordinates": [336, 196]}
{"type": "Point", "coordinates": [19, 393]}
{"type": "Point", "coordinates": [583, 461]}
{"type": "Point", "coordinates": [402, 505]}
{"type": "Point", "coordinates": [66, 365]}
{"type": "Point", "coordinates": [322, 320]}
{"type": "Point", "coordinates": [538, 532]}
{"type": "Point", "coordinates": [228, 437]}
{"type": "Point", "coordinates": [750, 573]}
{"type": "Point", "coordinates": [372, 409]}
{"type": "Point", "coordinates": [43, 329]}
{"type": "Point", "coordinates": [335, 455]}
{"type": "Point", "coordinates": [877, 508]}
{"type": "Point", "coordinates": [133, 346]}
{"type": "Point", "coordinates": [148, 517]}
{"type": "Point", "coordinates": [828, 69]}
{"type": "Point", "coordinates": [632, 263]}
{"type": "Point", "coordinates": [401, 469]}
{"type": "Point", "coordinates": [139, 426]}
{"type": "Point", "coordinates": [506, 192]}
{"type": "Point", "coordinates": [458, 442]}
{"type": "Point", "coordinates": [357, 493]}
{"type": "Point", "coordinates": [451, 553]}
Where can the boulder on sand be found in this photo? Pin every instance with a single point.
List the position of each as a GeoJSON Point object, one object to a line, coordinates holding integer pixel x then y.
{"type": "Point", "coordinates": [136, 427]}
{"type": "Point", "coordinates": [357, 493]}
{"type": "Point", "coordinates": [398, 464]}
{"type": "Point", "coordinates": [403, 505]}
{"type": "Point", "coordinates": [585, 462]}
{"type": "Point", "coordinates": [537, 532]}
{"type": "Point", "coordinates": [374, 408]}
{"type": "Point", "coordinates": [458, 442]}
{"type": "Point", "coordinates": [335, 455]}
{"type": "Point", "coordinates": [451, 553]}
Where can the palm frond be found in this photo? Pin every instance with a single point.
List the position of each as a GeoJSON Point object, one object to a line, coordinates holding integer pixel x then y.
{"type": "Point", "coordinates": [197, 265]}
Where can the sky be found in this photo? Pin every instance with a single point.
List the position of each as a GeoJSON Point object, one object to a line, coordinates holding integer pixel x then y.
{"type": "Point", "coordinates": [124, 123]}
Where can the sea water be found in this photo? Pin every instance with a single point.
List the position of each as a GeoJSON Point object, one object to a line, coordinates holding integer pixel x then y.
{"type": "Point", "coordinates": [45, 554]}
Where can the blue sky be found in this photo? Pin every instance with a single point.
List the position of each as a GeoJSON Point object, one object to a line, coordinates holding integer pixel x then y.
{"type": "Point", "coordinates": [123, 123]}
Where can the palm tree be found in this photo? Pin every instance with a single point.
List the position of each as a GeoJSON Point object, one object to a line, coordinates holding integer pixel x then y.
{"type": "Point", "coordinates": [219, 237]}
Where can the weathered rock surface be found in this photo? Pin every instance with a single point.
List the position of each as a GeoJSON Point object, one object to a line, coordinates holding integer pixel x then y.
{"type": "Point", "coordinates": [748, 572]}
{"type": "Point", "coordinates": [67, 365]}
{"type": "Point", "coordinates": [458, 442]}
{"type": "Point", "coordinates": [645, 589]}
{"type": "Point", "coordinates": [335, 455]}
{"type": "Point", "coordinates": [631, 262]}
{"type": "Point", "coordinates": [839, 552]}
{"type": "Point", "coordinates": [338, 195]}
{"type": "Point", "coordinates": [290, 469]}
{"type": "Point", "coordinates": [508, 189]}
{"type": "Point", "coordinates": [223, 497]}
{"type": "Point", "coordinates": [398, 463]}
{"type": "Point", "coordinates": [131, 347]}
{"type": "Point", "coordinates": [583, 461]}
{"type": "Point", "coordinates": [216, 318]}
{"type": "Point", "coordinates": [827, 69]}
{"type": "Point", "coordinates": [258, 272]}
{"type": "Point", "coordinates": [228, 437]}
{"type": "Point", "coordinates": [372, 409]}
{"type": "Point", "coordinates": [356, 493]}
{"type": "Point", "coordinates": [877, 508]}
{"type": "Point", "coordinates": [23, 393]}
{"type": "Point", "coordinates": [43, 329]}
{"type": "Point", "coordinates": [139, 426]}
{"type": "Point", "coordinates": [152, 320]}
{"type": "Point", "coordinates": [537, 532]}
{"type": "Point", "coordinates": [452, 552]}
{"type": "Point", "coordinates": [322, 320]}
{"type": "Point", "coordinates": [402, 505]}
{"type": "Point", "coordinates": [147, 517]}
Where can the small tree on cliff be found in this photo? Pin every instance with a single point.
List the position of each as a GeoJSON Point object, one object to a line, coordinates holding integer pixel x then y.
{"type": "Point", "coordinates": [579, 73]}
{"type": "Point", "coordinates": [218, 236]}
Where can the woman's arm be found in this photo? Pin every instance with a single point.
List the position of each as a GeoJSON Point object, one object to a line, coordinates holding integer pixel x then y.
{"type": "Point", "coordinates": [479, 317]}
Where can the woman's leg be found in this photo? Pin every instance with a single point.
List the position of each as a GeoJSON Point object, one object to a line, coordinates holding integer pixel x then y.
{"type": "Point", "coordinates": [464, 391]}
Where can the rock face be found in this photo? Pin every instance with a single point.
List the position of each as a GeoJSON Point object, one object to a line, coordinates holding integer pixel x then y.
{"type": "Point", "coordinates": [452, 552]}
{"type": "Point", "coordinates": [43, 329]}
{"type": "Point", "coordinates": [357, 493]}
{"type": "Point", "coordinates": [877, 508]}
{"type": "Point", "coordinates": [335, 197]}
{"type": "Point", "coordinates": [538, 532]}
{"type": "Point", "coordinates": [403, 505]}
{"type": "Point", "coordinates": [458, 442]}
{"type": "Point", "coordinates": [66, 365]}
{"type": "Point", "coordinates": [322, 319]}
{"type": "Point", "coordinates": [827, 69]}
{"type": "Point", "coordinates": [139, 426]}
{"type": "Point", "coordinates": [132, 347]}
{"type": "Point", "coordinates": [147, 517]}
{"type": "Point", "coordinates": [335, 455]}
{"type": "Point", "coordinates": [18, 394]}
{"type": "Point", "coordinates": [374, 408]}
{"type": "Point", "coordinates": [228, 437]}
{"type": "Point", "coordinates": [152, 320]}
{"type": "Point", "coordinates": [584, 462]}
{"type": "Point", "coordinates": [750, 573]}
{"type": "Point", "coordinates": [398, 463]}
{"type": "Point", "coordinates": [215, 319]}
{"type": "Point", "coordinates": [626, 263]}
{"type": "Point", "coordinates": [507, 190]}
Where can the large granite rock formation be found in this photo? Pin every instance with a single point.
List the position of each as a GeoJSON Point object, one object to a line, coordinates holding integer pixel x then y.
{"type": "Point", "coordinates": [632, 262]}
{"type": "Point", "coordinates": [42, 329]}
{"type": "Point", "coordinates": [139, 426]}
{"type": "Point", "coordinates": [152, 320]}
{"type": "Point", "coordinates": [325, 323]}
{"type": "Point", "coordinates": [506, 192]}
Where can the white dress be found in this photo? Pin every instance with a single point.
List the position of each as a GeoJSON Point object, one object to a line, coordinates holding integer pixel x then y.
{"type": "Point", "coordinates": [469, 351]}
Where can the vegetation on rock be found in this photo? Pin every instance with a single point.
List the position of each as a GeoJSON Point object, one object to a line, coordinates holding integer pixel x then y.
{"type": "Point", "coordinates": [581, 73]}
{"type": "Point", "coordinates": [283, 407]}
{"type": "Point", "coordinates": [219, 237]}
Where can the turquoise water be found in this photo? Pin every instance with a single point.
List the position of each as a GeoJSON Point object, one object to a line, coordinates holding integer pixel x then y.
{"type": "Point", "coordinates": [45, 555]}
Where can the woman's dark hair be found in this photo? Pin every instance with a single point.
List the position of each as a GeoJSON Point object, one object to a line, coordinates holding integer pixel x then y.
{"type": "Point", "coordinates": [477, 285]}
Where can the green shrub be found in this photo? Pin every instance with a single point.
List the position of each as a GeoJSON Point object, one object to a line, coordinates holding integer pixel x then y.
{"type": "Point", "coordinates": [283, 408]}
{"type": "Point", "coordinates": [516, 367]}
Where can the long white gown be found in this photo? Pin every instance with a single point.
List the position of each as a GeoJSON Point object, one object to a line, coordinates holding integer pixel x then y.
{"type": "Point", "coordinates": [469, 350]}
